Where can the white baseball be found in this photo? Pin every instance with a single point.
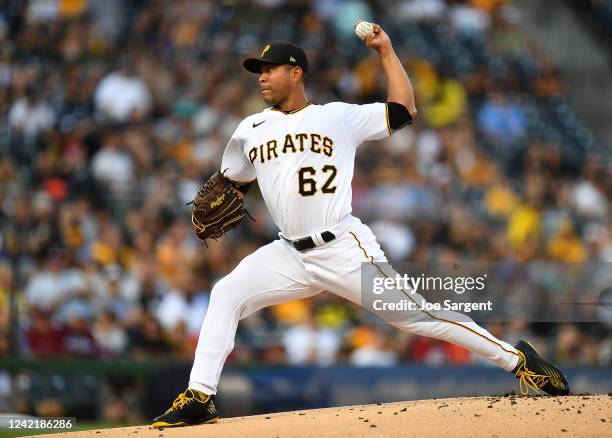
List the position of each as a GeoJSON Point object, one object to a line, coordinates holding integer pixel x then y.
{"type": "Point", "coordinates": [364, 29]}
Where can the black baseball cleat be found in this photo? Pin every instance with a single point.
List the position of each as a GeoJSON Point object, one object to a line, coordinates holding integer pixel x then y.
{"type": "Point", "coordinates": [535, 373]}
{"type": "Point", "coordinates": [189, 408]}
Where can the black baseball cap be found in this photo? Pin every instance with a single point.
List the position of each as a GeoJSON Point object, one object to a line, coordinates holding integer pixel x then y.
{"type": "Point", "coordinates": [278, 53]}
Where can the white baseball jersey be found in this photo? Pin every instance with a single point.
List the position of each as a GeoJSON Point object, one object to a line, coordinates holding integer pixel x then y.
{"type": "Point", "coordinates": [303, 160]}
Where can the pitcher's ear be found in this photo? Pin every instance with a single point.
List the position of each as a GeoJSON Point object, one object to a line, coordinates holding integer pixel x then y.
{"type": "Point", "coordinates": [297, 72]}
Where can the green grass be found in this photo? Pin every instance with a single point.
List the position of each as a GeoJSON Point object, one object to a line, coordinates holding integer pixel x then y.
{"type": "Point", "coordinates": [79, 426]}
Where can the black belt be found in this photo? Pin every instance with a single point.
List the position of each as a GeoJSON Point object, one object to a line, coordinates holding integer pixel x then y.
{"type": "Point", "coordinates": [307, 242]}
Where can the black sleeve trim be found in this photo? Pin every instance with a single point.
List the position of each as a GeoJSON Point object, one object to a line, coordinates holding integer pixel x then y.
{"type": "Point", "coordinates": [398, 116]}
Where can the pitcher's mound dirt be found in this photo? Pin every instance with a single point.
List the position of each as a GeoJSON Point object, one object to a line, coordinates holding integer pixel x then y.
{"type": "Point", "coordinates": [506, 416]}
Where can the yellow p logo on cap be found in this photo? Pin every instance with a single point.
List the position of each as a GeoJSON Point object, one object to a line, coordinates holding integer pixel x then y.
{"type": "Point", "coordinates": [264, 51]}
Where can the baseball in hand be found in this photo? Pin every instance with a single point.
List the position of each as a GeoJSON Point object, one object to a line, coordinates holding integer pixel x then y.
{"type": "Point", "coordinates": [363, 29]}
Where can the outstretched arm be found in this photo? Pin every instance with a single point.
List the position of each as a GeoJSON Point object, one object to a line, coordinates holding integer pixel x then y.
{"type": "Point", "coordinates": [399, 88]}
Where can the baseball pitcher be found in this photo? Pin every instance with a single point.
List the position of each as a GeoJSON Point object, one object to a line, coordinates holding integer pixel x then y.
{"type": "Point", "coordinates": [302, 156]}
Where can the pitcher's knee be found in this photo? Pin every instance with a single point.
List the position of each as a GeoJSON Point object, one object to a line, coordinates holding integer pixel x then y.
{"type": "Point", "coordinates": [225, 295]}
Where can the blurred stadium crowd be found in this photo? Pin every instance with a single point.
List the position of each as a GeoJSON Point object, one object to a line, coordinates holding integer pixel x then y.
{"type": "Point", "coordinates": [113, 112]}
{"type": "Point", "coordinates": [598, 14]}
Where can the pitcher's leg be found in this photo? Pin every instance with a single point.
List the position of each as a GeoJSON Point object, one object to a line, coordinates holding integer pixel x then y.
{"type": "Point", "coordinates": [271, 275]}
{"type": "Point", "coordinates": [360, 246]}
{"type": "Point", "coordinates": [460, 330]}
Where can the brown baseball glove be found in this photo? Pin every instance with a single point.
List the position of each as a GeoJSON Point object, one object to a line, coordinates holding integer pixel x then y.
{"type": "Point", "coordinates": [217, 207]}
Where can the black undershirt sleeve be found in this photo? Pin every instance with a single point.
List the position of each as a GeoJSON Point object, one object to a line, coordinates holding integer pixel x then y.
{"type": "Point", "coordinates": [398, 116]}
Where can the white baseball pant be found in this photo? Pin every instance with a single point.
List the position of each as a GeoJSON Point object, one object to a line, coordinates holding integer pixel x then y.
{"type": "Point", "coordinates": [277, 273]}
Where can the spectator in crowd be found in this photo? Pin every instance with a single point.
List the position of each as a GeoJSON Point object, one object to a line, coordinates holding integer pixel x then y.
{"type": "Point", "coordinates": [566, 246]}
{"type": "Point", "coordinates": [371, 349]}
{"type": "Point", "coordinates": [6, 289]}
{"type": "Point", "coordinates": [397, 238]}
{"type": "Point", "coordinates": [423, 10]}
{"type": "Point", "coordinates": [113, 166]}
{"type": "Point", "coordinates": [147, 340]}
{"type": "Point", "coordinates": [434, 352]}
{"type": "Point", "coordinates": [44, 339]}
{"type": "Point", "coordinates": [77, 337]}
{"type": "Point", "coordinates": [31, 116]}
{"type": "Point", "coordinates": [448, 101]}
{"type": "Point", "coordinates": [588, 198]}
{"type": "Point", "coordinates": [306, 343]}
{"type": "Point", "coordinates": [122, 95]}
{"type": "Point", "coordinates": [50, 286]}
{"type": "Point", "coordinates": [468, 19]}
{"type": "Point", "coordinates": [502, 121]}
{"type": "Point", "coordinates": [109, 335]}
